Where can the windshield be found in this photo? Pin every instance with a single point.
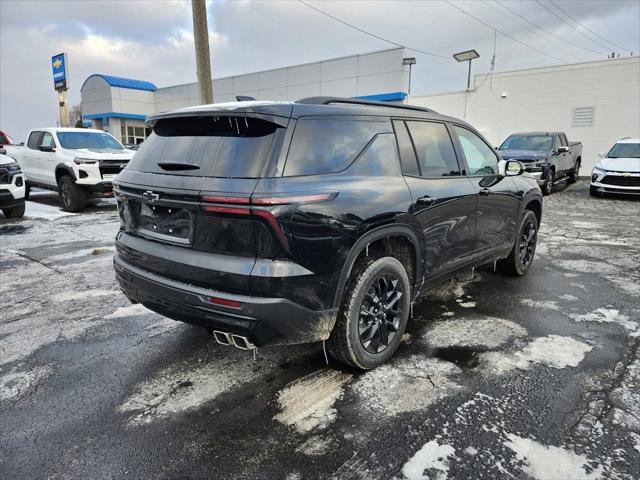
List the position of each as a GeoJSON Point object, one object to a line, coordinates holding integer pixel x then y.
{"type": "Point", "coordinates": [89, 140]}
{"type": "Point", "coordinates": [528, 142]}
{"type": "Point", "coordinates": [625, 150]}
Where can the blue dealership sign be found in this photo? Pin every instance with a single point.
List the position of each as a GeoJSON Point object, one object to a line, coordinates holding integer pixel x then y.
{"type": "Point", "coordinates": [59, 68]}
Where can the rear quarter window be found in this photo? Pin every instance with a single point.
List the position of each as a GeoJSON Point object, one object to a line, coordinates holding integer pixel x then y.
{"type": "Point", "coordinates": [321, 146]}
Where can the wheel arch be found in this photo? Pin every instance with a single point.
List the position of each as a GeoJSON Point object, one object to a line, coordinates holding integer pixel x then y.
{"type": "Point", "coordinates": [62, 169]}
{"type": "Point", "coordinates": [377, 237]}
{"type": "Point", "coordinates": [534, 204]}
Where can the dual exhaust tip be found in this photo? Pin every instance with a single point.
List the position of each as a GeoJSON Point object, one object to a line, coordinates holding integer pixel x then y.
{"type": "Point", "coordinates": [231, 339]}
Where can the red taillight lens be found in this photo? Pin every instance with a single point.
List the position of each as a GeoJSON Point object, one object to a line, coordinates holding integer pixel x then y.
{"type": "Point", "coordinates": [224, 302]}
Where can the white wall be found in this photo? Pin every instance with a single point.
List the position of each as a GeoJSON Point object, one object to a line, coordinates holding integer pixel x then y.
{"type": "Point", "coordinates": [544, 99]}
{"type": "Point", "coordinates": [356, 75]}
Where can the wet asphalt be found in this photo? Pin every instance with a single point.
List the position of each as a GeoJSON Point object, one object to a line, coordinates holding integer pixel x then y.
{"type": "Point", "coordinates": [91, 387]}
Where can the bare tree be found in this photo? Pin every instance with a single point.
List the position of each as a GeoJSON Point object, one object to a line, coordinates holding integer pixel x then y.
{"type": "Point", "coordinates": [76, 116]}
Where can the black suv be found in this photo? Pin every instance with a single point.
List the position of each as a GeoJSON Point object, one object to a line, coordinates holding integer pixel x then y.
{"type": "Point", "coordinates": [321, 219]}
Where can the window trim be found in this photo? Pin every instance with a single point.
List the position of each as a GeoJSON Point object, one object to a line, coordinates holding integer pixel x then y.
{"type": "Point", "coordinates": [463, 171]}
{"type": "Point", "coordinates": [464, 157]}
{"type": "Point", "coordinates": [413, 149]}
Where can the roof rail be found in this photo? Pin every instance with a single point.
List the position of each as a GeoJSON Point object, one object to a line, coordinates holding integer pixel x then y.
{"type": "Point", "coordinates": [358, 101]}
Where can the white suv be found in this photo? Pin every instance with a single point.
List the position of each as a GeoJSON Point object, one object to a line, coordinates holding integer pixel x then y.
{"type": "Point", "coordinates": [11, 188]}
{"type": "Point", "coordinates": [618, 171]}
{"type": "Point", "coordinates": [75, 162]}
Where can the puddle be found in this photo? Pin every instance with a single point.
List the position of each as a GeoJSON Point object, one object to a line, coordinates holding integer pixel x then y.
{"type": "Point", "coordinates": [465, 358]}
{"type": "Point", "coordinates": [13, 229]}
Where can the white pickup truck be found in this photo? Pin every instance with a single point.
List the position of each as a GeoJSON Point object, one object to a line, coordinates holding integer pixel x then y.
{"type": "Point", "coordinates": [75, 162]}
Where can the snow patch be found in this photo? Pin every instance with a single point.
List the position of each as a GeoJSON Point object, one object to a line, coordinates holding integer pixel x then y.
{"type": "Point", "coordinates": [568, 298]}
{"type": "Point", "coordinates": [609, 315]}
{"type": "Point", "coordinates": [553, 351]}
{"type": "Point", "coordinates": [543, 462]}
{"type": "Point", "coordinates": [546, 304]}
{"type": "Point", "coordinates": [17, 383]}
{"type": "Point", "coordinates": [79, 295]}
{"type": "Point", "coordinates": [486, 332]}
{"type": "Point", "coordinates": [316, 445]}
{"type": "Point", "coordinates": [129, 311]}
{"type": "Point", "coordinates": [430, 462]}
{"type": "Point", "coordinates": [307, 402]}
{"type": "Point", "coordinates": [467, 304]}
{"type": "Point", "coordinates": [44, 212]}
{"type": "Point", "coordinates": [406, 385]}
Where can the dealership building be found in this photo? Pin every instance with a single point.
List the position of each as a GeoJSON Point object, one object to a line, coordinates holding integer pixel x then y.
{"type": "Point", "coordinates": [594, 102]}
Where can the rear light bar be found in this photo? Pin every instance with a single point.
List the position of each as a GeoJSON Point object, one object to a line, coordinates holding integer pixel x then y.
{"type": "Point", "coordinates": [225, 302]}
{"type": "Point", "coordinates": [251, 206]}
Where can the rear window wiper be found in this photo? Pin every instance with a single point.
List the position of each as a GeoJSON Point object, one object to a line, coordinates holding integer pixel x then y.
{"type": "Point", "coordinates": [178, 166]}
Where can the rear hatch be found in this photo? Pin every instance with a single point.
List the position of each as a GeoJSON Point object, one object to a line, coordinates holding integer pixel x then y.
{"type": "Point", "coordinates": [184, 198]}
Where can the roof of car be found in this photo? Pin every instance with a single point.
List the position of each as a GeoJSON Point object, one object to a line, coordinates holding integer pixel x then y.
{"type": "Point", "coordinates": [309, 106]}
{"type": "Point", "coordinates": [629, 140]}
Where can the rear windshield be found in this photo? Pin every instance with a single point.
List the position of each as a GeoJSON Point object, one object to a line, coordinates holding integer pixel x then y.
{"type": "Point", "coordinates": [625, 150]}
{"type": "Point", "coordinates": [211, 146]}
{"type": "Point", "coordinates": [528, 142]}
{"type": "Point", "coordinates": [90, 140]}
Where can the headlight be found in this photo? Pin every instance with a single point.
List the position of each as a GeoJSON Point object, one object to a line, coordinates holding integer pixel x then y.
{"type": "Point", "coordinates": [598, 171]}
{"type": "Point", "coordinates": [84, 161]}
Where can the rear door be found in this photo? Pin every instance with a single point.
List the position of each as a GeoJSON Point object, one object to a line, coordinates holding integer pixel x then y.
{"type": "Point", "coordinates": [498, 203]}
{"type": "Point", "coordinates": [187, 192]}
{"type": "Point", "coordinates": [443, 199]}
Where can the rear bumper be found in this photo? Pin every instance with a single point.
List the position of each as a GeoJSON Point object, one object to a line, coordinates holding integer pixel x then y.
{"type": "Point", "coordinates": [264, 321]}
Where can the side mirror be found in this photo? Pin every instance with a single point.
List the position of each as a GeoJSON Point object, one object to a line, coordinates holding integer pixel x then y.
{"type": "Point", "coordinates": [46, 148]}
{"type": "Point", "coordinates": [602, 154]}
{"type": "Point", "coordinates": [513, 168]}
{"type": "Point", "coordinates": [563, 149]}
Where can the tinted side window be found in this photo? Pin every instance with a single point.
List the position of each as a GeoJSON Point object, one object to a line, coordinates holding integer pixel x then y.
{"type": "Point", "coordinates": [328, 146]}
{"type": "Point", "coordinates": [407, 153]}
{"type": "Point", "coordinates": [34, 140]}
{"type": "Point", "coordinates": [380, 158]}
{"type": "Point", "coordinates": [436, 155]}
{"type": "Point", "coordinates": [480, 157]}
{"type": "Point", "coordinates": [47, 140]}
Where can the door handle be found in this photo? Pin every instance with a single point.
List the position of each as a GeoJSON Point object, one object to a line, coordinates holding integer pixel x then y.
{"type": "Point", "coordinates": [426, 200]}
{"type": "Point", "coordinates": [484, 192]}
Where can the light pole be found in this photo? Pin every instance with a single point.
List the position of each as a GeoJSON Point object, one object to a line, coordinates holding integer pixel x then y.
{"type": "Point", "coordinates": [409, 61]}
{"type": "Point", "coordinates": [201, 39]}
{"type": "Point", "coordinates": [467, 57]}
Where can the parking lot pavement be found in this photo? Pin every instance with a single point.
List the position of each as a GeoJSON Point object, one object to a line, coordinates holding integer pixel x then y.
{"type": "Point", "coordinates": [497, 377]}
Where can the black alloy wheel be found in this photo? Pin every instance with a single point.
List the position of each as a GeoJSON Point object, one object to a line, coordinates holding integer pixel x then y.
{"type": "Point", "coordinates": [528, 239]}
{"type": "Point", "coordinates": [380, 314]}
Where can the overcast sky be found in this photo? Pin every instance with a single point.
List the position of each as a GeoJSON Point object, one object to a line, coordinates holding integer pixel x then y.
{"type": "Point", "coordinates": [152, 40]}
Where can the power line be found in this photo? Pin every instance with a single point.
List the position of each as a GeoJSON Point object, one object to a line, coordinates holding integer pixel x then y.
{"type": "Point", "coordinates": [555, 44]}
{"type": "Point", "coordinates": [587, 28]}
{"type": "Point", "coordinates": [503, 33]}
{"type": "Point", "coordinates": [373, 34]}
{"type": "Point", "coordinates": [570, 25]}
{"type": "Point", "coordinates": [547, 31]}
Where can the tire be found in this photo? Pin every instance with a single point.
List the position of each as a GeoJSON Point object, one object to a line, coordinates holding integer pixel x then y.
{"type": "Point", "coordinates": [72, 197]}
{"type": "Point", "coordinates": [15, 212]}
{"type": "Point", "coordinates": [515, 264]}
{"type": "Point", "coordinates": [574, 173]}
{"type": "Point", "coordinates": [27, 190]}
{"type": "Point", "coordinates": [348, 341]}
{"type": "Point", "coordinates": [547, 188]}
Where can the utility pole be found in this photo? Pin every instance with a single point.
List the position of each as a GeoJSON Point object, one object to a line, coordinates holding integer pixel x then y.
{"type": "Point", "coordinates": [201, 39]}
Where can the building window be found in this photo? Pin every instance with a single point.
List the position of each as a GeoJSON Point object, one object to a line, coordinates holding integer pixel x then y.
{"type": "Point", "coordinates": [583, 116]}
{"type": "Point", "coordinates": [134, 132]}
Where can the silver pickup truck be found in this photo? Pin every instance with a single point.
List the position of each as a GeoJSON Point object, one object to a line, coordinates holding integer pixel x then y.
{"type": "Point", "coordinates": [547, 156]}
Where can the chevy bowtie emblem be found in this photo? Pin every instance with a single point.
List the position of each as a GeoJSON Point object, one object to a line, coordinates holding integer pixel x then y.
{"type": "Point", "coordinates": [57, 63]}
{"type": "Point", "coordinates": [626, 174]}
{"type": "Point", "coordinates": [150, 197]}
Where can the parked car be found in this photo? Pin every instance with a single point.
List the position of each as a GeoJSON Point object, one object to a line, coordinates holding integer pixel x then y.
{"type": "Point", "coordinates": [75, 162]}
{"type": "Point", "coordinates": [11, 188]}
{"type": "Point", "coordinates": [323, 219]}
{"type": "Point", "coordinates": [618, 170]}
{"type": "Point", "coordinates": [5, 139]}
{"type": "Point", "coordinates": [548, 157]}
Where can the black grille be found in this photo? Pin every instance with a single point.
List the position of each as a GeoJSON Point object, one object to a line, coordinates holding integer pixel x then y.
{"type": "Point", "coordinates": [112, 167]}
{"type": "Point", "coordinates": [621, 181]}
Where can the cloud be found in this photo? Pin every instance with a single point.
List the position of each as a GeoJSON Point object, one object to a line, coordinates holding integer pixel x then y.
{"type": "Point", "coordinates": [152, 40]}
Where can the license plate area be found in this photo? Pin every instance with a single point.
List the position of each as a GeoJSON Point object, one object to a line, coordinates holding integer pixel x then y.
{"type": "Point", "coordinates": [166, 223]}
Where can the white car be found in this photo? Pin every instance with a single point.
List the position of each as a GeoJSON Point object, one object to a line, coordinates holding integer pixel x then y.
{"type": "Point", "coordinates": [618, 171]}
{"type": "Point", "coordinates": [75, 162]}
{"type": "Point", "coordinates": [11, 188]}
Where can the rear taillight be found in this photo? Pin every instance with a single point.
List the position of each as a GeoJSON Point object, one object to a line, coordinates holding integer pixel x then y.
{"type": "Point", "coordinates": [257, 206]}
{"type": "Point", "coordinates": [225, 302]}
